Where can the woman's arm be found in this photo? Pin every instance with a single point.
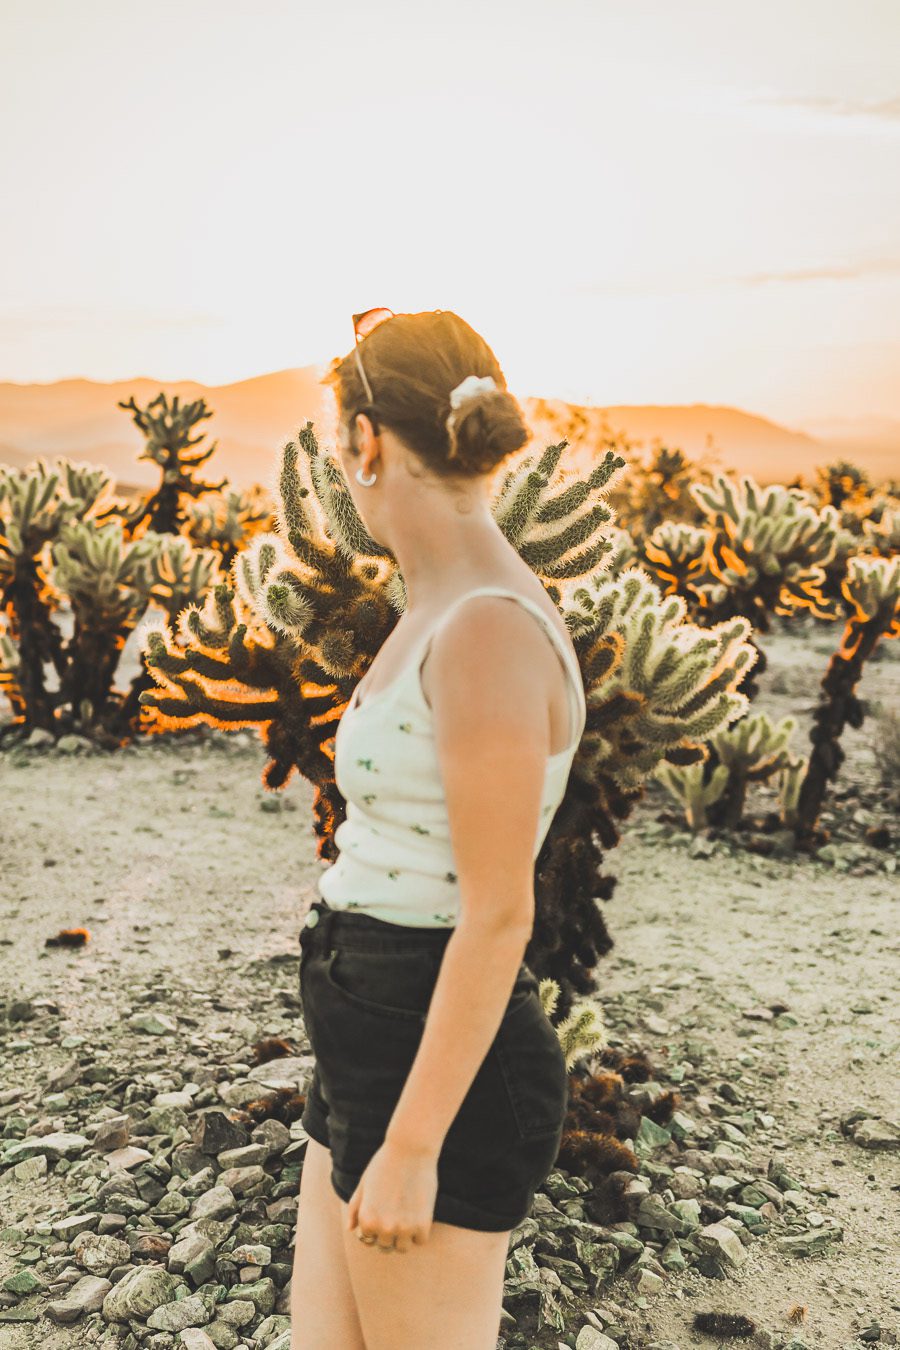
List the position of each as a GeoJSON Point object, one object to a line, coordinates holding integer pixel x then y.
{"type": "Point", "coordinates": [492, 733]}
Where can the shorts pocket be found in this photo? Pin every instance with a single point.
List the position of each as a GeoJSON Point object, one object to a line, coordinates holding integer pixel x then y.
{"type": "Point", "coordinates": [392, 985]}
{"type": "Point", "coordinates": [533, 1065]}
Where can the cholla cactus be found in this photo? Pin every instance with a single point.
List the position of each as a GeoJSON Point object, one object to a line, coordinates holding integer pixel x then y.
{"type": "Point", "coordinates": [35, 505]}
{"type": "Point", "coordinates": [283, 648]}
{"type": "Point", "coordinates": [675, 555]}
{"type": "Point", "coordinates": [882, 537]}
{"type": "Point", "coordinates": [226, 522]}
{"type": "Point", "coordinates": [692, 789]}
{"type": "Point", "coordinates": [622, 551]}
{"type": "Point", "coordinates": [10, 667]}
{"type": "Point", "coordinates": [107, 582]}
{"type": "Point", "coordinates": [582, 1032]}
{"type": "Point", "coordinates": [170, 445]}
{"type": "Point", "coordinates": [660, 490]}
{"type": "Point", "coordinates": [789, 781]}
{"type": "Point", "coordinates": [768, 547]}
{"type": "Point", "coordinates": [752, 751]}
{"type": "Point", "coordinates": [871, 593]}
{"type": "Point", "coordinates": [842, 485]}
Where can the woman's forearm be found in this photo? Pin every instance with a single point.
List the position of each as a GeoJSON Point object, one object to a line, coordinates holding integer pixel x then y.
{"type": "Point", "coordinates": [477, 975]}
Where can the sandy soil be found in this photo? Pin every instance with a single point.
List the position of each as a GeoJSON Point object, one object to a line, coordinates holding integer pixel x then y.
{"type": "Point", "coordinates": [193, 881]}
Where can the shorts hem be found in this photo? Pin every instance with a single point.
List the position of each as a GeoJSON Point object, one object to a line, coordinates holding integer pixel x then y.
{"type": "Point", "coordinates": [447, 1208]}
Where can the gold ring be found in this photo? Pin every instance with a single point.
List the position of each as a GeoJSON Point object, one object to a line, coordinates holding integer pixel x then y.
{"type": "Point", "coordinates": [367, 1238]}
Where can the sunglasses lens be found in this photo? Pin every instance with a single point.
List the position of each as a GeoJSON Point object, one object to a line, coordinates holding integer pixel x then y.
{"type": "Point", "coordinates": [365, 323]}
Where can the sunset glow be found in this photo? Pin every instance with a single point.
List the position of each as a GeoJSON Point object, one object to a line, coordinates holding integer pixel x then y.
{"type": "Point", "coordinates": [634, 203]}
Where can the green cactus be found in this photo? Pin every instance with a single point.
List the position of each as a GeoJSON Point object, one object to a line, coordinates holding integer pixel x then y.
{"type": "Point", "coordinates": [752, 751]}
{"type": "Point", "coordinates": [842, 485]}
{"type": "Point", "coordinates": [659, 490]}
{"type": "Point", "coordinates": [788, 781]}
{"type": "Point", "coordinates": [35, 505]}
{"type": "Point", "coordinates": [882, 536]}
{"type": "Point", "coordinates": [675, 555]}
{"type": "Point", "coordinates": [169, 444]}
{"type": "Point", "coordinates": [768, 547]}
{"type": "Point", "coordinates": [107, 582]}
{"type": "Point", "coordinates": [283, 647]}
{"type": "Point", "coordinates": [871, 595]}
{"type": "Point", "coordinates": [694, 793]}
{"type": "Point", "coordinates": [226, 522]}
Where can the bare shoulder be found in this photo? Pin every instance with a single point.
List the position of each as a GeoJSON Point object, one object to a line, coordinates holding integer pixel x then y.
{"type": "Point", "coordinates": [491, 640]}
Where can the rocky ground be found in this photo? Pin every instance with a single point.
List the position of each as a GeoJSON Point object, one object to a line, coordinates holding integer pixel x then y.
{"type": "Point", "coordinates": [764, 988]}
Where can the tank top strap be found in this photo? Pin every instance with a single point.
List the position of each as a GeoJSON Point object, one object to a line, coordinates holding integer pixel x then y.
{"type": "Point", "coordinates": [575, 682]}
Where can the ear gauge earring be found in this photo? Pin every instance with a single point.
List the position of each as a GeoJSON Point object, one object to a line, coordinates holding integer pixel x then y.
{"type": "Point", "coordinates": [366, 482]}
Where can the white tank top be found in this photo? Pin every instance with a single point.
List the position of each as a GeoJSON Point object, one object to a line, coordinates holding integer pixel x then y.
{"type": "Point", "coordinates": [395, 861]}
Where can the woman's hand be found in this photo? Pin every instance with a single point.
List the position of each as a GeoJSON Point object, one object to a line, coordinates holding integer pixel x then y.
{"type": "Point", "coordinates": [394, 1200]}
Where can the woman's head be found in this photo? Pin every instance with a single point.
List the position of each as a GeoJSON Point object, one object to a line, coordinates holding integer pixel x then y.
{"type": "Point", "coordinates": [412, 363]}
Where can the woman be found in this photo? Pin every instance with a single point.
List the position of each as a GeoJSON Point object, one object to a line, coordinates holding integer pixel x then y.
{"type": "Point", "coordinates": [440, 1087]}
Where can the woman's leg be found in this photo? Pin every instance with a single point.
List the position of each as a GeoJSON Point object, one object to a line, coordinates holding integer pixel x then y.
{"type": "Point", "coordinates": [446, 1294]}
{"type": "Point", "coordinates": [323, 1310]}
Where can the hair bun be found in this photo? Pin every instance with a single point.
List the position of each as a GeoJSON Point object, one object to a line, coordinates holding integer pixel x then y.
{"type": "Point", "coordinates": [483, 430]}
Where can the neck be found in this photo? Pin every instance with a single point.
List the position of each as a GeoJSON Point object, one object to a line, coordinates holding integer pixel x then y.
{"type": "Point", "coordinates": [442, 548]}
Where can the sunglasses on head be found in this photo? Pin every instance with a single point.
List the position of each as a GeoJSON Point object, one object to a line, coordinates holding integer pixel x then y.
{"type": "Point", "coordinates": [363, 325]}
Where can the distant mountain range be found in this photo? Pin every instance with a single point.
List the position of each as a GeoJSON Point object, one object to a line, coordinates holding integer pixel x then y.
{"type": "Point", "coordinates": [253, 418]}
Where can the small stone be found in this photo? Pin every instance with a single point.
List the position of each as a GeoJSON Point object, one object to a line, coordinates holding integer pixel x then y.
{"type": "Point", "coordinates": [86, 1295]}
{"type": "Point", "coordinates": [112, 1134]}
{"type": "Point", "coordinates": [192, 1311]}
{"type": "Point", "coordinates": [139, 1293]}
{"type": "Point", "coordinates": [722, 1243]}
{"type": "Point", "coordinates": [154, 1024]}
{"type": "Point", "coordinates": [99, 1254]}
{"type": "Point", "coordinates": [121, 1159]}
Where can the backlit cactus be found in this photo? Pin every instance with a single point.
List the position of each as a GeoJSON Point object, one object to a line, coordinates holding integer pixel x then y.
{"type": "Point", "coordinates": [692, 790]}
{"type": "Point", "coordinates": [751, 751]}
{"type": "Point", "coordinates": [169, 444]}
{"type": "Point", "coordinates": [35, 505]}
{"type": "Point", "coordinates": [226, 521]}
{"type": "Point", "coordinates": [768, 548]}
{"type": "Point", "coordinates": [675, 555]}
{"type": "Point", "coordinates": [871, 596]}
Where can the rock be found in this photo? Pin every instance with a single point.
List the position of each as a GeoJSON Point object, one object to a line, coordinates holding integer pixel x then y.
{"type": "Point", "coordinates": [215, 1203]}
{"type": "Point", "coordinates": [32, 1169]}
{"type": "Point", "coordinates": [121, 1159]}
{"type": "Point", "coordinates": [59, 1145]}
{"type": "Point", "coordinates": [86, 1295]}
{"type": "Point", "coordinates": [100, 1255]}
{"type": "Point", "coordinates": [139, 1293]}
{"type": "Point", "coordinates": [252, 1254]}
{"type": "Point", "coordinates": [811, 1242]}
{"type": "Point", "coordinates": [192, 1311]}
{"type": "Point", "coordinates": [589, 1338]}
{"type": "Point", "coordinates": [192, 1255]}
{"type": "Point", "coordinates": [22, 1283]}
{"type": "Point", "coordinates": [194, 1338]}
{"type": "Point", "coordinates": [68, 1228]}
{"type": "Point", "coordinates": [154, 1024]}
{"type": "Point", "coordinates": [261, 1293]}
{"type": "Point", "coordinates": [721, 1242]}
{"type": "Point", "coordinates": [880, 1135]}
{"type": "Point", "coordinates": [242, 1180]}
{"type": "Point", "coordinates": [289, 1071]}
{"type": "Point", "coordinates": [215, 1131]}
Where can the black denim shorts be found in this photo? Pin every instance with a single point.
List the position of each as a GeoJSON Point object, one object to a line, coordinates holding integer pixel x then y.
{"type": "Point", "coordinates": [365, 988]}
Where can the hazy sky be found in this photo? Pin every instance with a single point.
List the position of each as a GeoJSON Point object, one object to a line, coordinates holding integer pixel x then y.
{"type": "Point", "coordinates": [635, 201]}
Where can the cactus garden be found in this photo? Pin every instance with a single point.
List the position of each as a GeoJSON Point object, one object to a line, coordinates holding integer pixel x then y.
{"type": "Point", "coordinates": [716, 900]}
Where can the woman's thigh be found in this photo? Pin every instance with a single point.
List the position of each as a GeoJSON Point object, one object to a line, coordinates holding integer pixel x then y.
{"type": "Point", "coordinates": [323, 1309]}
{"type": "Point", "coordinates": [445, 1294]}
